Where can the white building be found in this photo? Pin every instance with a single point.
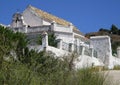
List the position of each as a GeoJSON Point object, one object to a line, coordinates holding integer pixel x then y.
{"type": "Point", "coordinates": [34, 22]}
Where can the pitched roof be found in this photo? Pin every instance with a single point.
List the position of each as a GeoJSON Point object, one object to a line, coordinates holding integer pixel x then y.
{"type": "Point", "coordinates": [51, 18]}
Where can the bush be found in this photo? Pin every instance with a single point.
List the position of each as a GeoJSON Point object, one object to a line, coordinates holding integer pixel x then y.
{"type": "Point", "coordinates": [44, 69]}
{"type": "Point", "coordinates": [51, 40]}
{"type": "Point", "coordinates": [117, 67]}
{"type": "Point", "coordinates": [33, 68]}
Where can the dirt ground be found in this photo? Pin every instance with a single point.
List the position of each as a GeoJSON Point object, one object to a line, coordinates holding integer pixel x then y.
{"type": "Point", "coordinates": [113, 76]}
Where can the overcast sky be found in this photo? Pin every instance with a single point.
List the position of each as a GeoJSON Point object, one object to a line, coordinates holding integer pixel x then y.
{"type": "Point", "coordinates": [86, 15]}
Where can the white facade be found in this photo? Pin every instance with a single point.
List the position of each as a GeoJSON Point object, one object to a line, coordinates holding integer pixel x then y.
{"type": "Point", "coordinates": [31, 19]}
{"type": "Point", "coordinates": [34, 22]}
{"type": "Point", "coordinates": [102, 45]}
{"type": "Point", "coordinates": [46, 22]}
{"type": "Point", "coordinates": [81, 60]}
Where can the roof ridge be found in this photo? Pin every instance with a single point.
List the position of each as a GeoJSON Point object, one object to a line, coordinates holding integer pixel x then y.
{"type": "Point", "coordinates": [51, 16]}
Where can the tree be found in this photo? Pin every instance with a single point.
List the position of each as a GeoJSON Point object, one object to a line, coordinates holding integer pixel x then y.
{"type": "Point", "coordinates": [119, 32]}
{"type": "Point", "coordinates": [21, 43]}
{"type": "Point", "coordinates": [51, 40]}
{"type": "Point", "coordinates": [114, 29]}
{"type": "Point", "coordinates": [8, 41]}
{"type": "Point", "coordinates": [11, 42]}
{"type": "Point", "coordinates": [104, 30]}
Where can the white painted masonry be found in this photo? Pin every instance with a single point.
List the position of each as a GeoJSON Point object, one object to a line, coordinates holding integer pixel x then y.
{"type": "Point", "coordinates": [103, 47]}
{"type": "Point", "coordinates": [80, 62]}
{"type": "Point", "coordinates": [94, 52]}
{"type": "Point", "coordinates": [31, 18]}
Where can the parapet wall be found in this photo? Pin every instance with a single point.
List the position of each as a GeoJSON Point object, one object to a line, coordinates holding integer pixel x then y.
{"type": "Point", "coordinates": [102, 45]}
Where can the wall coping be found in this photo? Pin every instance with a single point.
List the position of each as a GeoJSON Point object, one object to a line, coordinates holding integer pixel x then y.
{"type": "Point", "coordinates": [99, 37]}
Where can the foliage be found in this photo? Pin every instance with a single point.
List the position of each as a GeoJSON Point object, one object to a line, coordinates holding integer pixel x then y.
{"type": "Point", "coordinates": [39, 40]}
{"type": "Point", "coordinates": [7, 39]}
{"type": "Point", "coordinates": [115, 46]}
{"type": "Point", "coordinates": [33, 68]}
{"type": "Point", "coordinates": [51, 40]}
{"type": "Point", "coordinates": [22, 44]}
{"type": "Point", "coordinates": [14, 73]}
{"type": "Point", "coordinates": [114, 29]}
{"type": "Point", "coordinates": [12, 42]}
{"type": "Point", "coordinates": [50, 71]}
{"type": "Point", "coordinates": [104, 30]}
{"type": "Point", "coordinates": [117, 67]}
{"type": "Point", "coordinates": [87, 77]}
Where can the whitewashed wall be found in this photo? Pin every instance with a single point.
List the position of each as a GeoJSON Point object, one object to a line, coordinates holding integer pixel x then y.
{"type": "Point", "coordinates": [115, 61]}
{"type": "Point", "coordinates": [46, 22]}
{"type": "Point", "coordinates": [61, 28]}
{"type": "Point", "coordinates": [102, 45]}
{"type": "Point", "coordinates": [16, 24]}
{"type": "Point", "coordinates": [31, 18]}
{"type": "Point", "coordinates": [17, 21]}
{"type": "Point", "coordinates": [36, 29]}
{"type": "Point", "coordinates": [68, 38]}
{"type": "Point", "coordinates": [87, 61]}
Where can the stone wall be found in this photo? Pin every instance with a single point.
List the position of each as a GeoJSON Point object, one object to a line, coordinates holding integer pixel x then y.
{"type": "Point", "coordinates": [102, 45]}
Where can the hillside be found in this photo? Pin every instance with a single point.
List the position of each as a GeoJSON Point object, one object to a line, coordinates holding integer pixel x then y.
{"type": "Point", "coordinates": [21, 66]}
{"type": "Point", "coordinates": [114, 34]}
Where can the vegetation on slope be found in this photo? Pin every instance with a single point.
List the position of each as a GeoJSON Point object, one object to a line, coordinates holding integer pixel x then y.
{"type": "Point", "coordinates": [19, 66]}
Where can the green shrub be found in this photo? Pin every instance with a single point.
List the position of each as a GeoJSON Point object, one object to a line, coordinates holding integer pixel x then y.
{"type": "Point", "coordinates": [51, 40]}
{"type": "Point", "coordinates": [43, 68]}
{"type": "Point", "coordinates": [117, 67]}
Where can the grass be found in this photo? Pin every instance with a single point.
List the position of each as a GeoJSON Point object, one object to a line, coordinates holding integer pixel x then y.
{"type": "Point", "coordinates": [44, 69]}
{"type": "Point", "coordinates": [117, 67]}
